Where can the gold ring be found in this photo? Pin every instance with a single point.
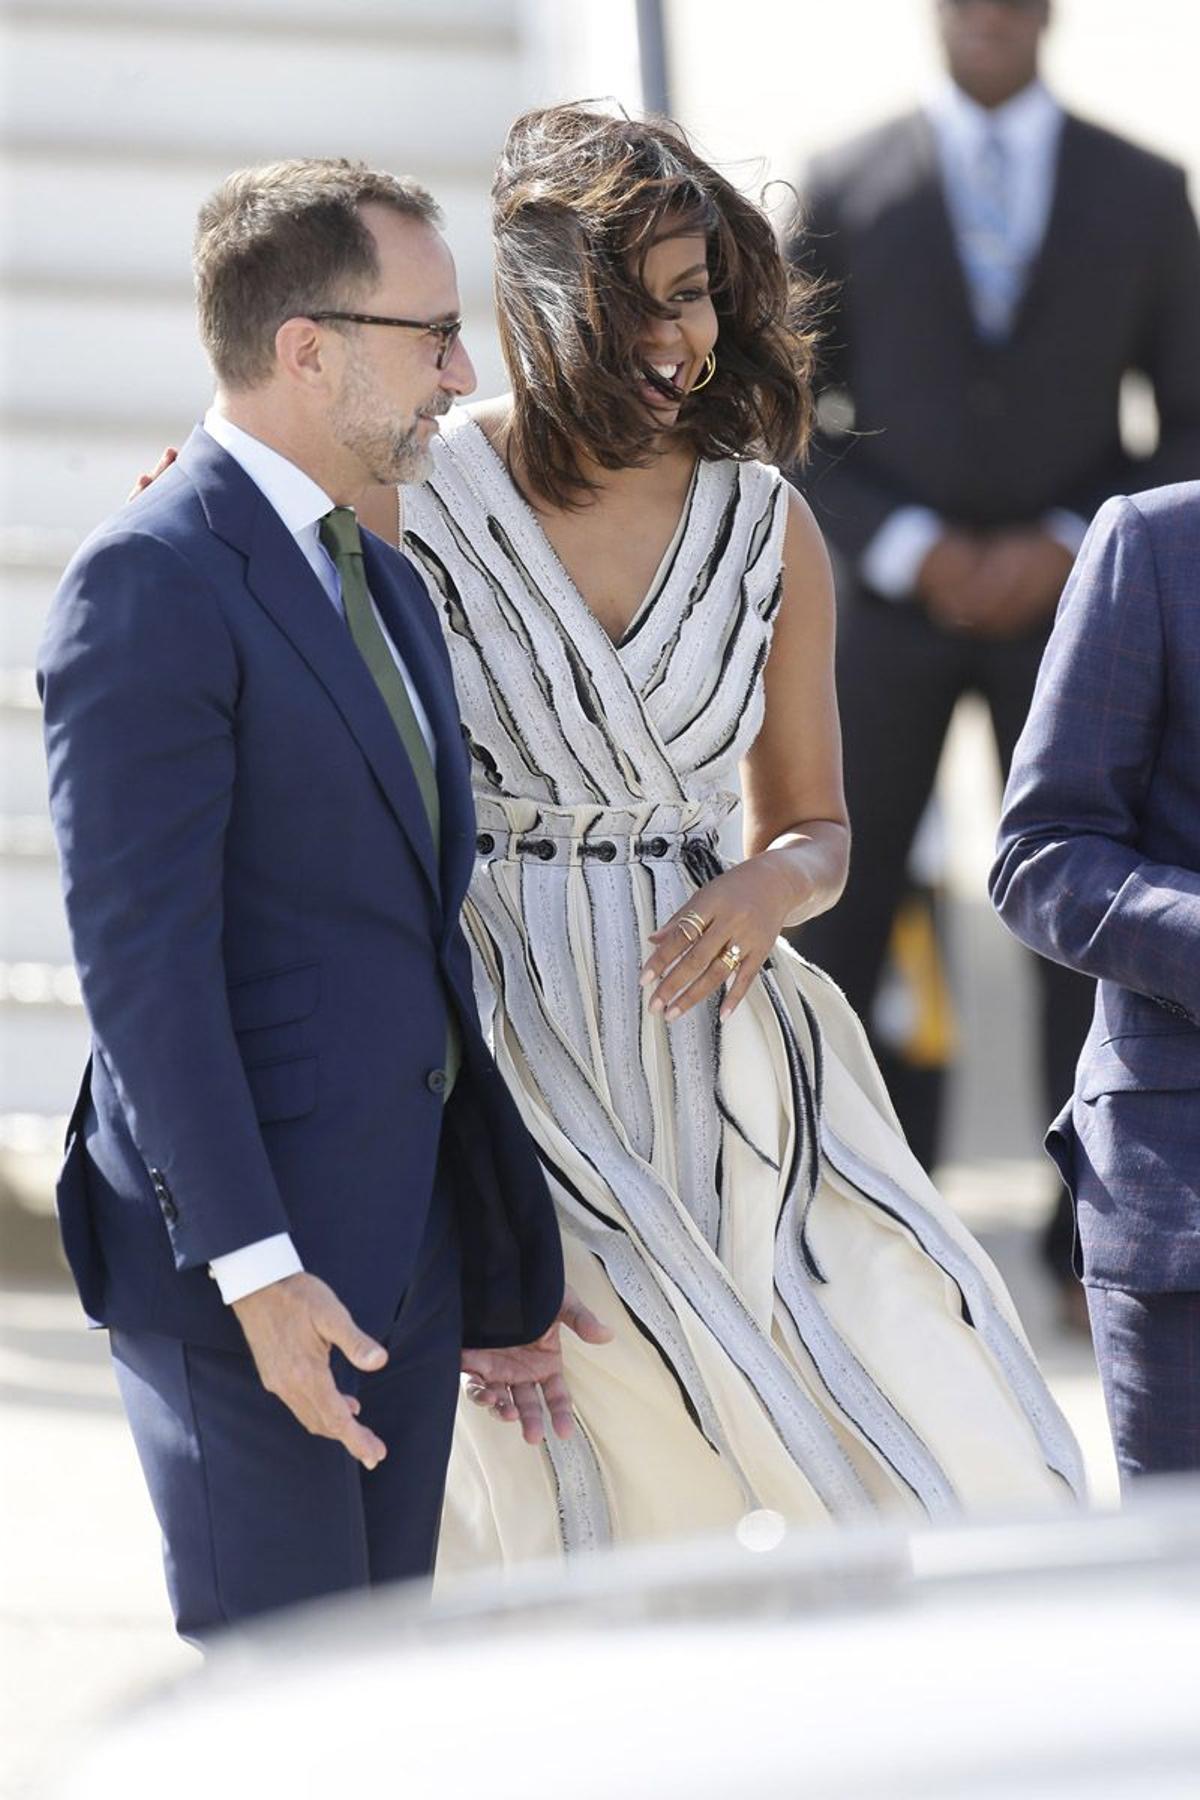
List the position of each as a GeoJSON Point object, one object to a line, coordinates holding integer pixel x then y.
{"type": "Point", "coordinates": [692, 922]}
{"type": "Point", "coordinates": [732, 956]}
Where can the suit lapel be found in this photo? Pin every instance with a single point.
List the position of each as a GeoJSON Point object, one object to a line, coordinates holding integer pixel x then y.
{"type": "Point", "coordinates": [280, 579]}
{"type": "Point", "coordinates": [401, 596]}
{"type": "Point", "coordinates": [1055, 260]}
{"type": "Point", "coordinates": [1056, 254]}
{"type": "Point", "coordinates": [932, 227]}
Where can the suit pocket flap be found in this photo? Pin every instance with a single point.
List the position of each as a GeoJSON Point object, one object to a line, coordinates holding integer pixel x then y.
{"type": "Point", "coordinates": [278, 998]}
{"type": "Point", "coordinates": [284, 1090]}
{"type": "Point", "coordinates": [1154, 1061]}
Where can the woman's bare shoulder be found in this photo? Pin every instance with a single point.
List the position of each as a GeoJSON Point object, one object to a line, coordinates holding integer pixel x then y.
{"type": "Point", "coordinates": [491, 416]}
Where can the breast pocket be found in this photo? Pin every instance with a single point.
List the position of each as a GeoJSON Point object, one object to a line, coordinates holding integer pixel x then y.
{"type": "Point", "coordinates": [1142, 1062]}
{"type": "Point", "coordinates": [269, 1013]}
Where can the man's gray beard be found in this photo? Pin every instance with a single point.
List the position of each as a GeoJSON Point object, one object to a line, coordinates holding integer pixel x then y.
{"type": "Point", "coordinates": [400, 461]}
{"type": "Point", "coordinates": [396, 459]}
{"type": "Point", "coordinates": [411, 462]}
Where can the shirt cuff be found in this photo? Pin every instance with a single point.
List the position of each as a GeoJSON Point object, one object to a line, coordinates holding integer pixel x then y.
{"type": "Point", "coordinates": [1066, 528]}
{"type": "Point", "coordinates": [255, 1266]}
{"type": "Point", "coordinates": [892, 560]}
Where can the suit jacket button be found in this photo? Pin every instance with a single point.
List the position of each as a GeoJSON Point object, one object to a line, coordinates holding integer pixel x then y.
{"type": "Point", "coordinates": [435, 1081]}
{"type": "Point", "coordinates": [606, 851]}
{"type": "Point", "coordinates": [485, 843]}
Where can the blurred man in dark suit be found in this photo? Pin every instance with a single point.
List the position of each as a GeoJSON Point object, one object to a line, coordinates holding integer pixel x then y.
{"type": "Point", "coordinates": [996, 268]}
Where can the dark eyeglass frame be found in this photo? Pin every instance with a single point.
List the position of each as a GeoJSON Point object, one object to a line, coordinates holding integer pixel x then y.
{"type": "Point", "coordinates": [445, 330]}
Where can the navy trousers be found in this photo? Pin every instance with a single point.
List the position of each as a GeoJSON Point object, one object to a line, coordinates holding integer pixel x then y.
{"type": "Point", "coordinates": [257, 1514]}
{"type": "Point", "coordinates": [1148, 1351]}
{"type": "Point", "coordinates": [900, 678]}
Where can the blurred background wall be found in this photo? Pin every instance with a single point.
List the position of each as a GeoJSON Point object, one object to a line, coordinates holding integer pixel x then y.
{"type": "Point", "coordinates": [120, 115]}
{"type": "Point", "coordinates": [777, 79]}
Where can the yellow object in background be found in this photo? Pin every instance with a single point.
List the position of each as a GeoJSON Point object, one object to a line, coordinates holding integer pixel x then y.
{"type": "Point", "coordinates": [928, 1036]}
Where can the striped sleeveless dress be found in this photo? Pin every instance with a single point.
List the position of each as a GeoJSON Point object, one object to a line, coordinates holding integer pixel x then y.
{"type": "Point", "coordinates": [801, 1324]}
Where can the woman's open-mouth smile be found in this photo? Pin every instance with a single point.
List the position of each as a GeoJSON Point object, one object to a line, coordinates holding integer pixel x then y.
{"type": "Point", "coordinates": [666, 371]}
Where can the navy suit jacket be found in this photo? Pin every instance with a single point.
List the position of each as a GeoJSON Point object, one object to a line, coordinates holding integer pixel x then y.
{"type": "Point", "coordinates": [266, 942]}
{"type": "Point", "coordinates": [1098, 866]}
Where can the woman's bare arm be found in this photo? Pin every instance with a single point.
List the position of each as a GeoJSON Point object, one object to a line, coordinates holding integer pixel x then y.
{"type": "Point", "coordinates": [795, 807]}
{"type": "Point", "coordinates": [797, 835]}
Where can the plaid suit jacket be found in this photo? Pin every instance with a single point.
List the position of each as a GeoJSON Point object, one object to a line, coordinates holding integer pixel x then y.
{"type": "Point", "coordinates": [1098, 866]}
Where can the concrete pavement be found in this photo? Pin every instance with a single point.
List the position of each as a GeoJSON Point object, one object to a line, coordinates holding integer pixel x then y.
{"type": "Point", "coordinates": [84, 1624]}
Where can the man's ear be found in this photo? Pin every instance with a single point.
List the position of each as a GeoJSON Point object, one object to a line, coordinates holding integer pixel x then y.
{"type": "Point", "coordinates": [303, 351]}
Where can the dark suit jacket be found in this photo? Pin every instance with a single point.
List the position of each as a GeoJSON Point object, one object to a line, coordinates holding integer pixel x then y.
{"type": "Point", "coordinates": [1098, 866]}
{"type": "Point", "coordinates": [995, 435]}
{"type": "Point", "coordinates": [266, 943]}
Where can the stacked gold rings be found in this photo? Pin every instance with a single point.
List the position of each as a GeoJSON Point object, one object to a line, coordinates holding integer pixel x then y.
{"type": "Point", "coordinates": [692, 922]}
{"type": "Point", "coordinates": [732, 956]}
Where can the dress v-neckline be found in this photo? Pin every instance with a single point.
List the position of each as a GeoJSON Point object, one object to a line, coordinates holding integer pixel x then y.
{"type": "Point", "coordinates": [658, 582]}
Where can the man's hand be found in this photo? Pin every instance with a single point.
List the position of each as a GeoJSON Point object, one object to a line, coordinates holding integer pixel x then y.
{"type": "Point", "coordinates": [998, 586]}
{"type": "Point", "coordinates": [160, 468]}
{"type": "Point", "coordinates": [1019, 582]}
{"type": "Point", "coordinates": [946, 579]}
{"type": "Point", "coordinates": [512, 1383]}
{"type": "Point", "coordinates": [291, 1326]}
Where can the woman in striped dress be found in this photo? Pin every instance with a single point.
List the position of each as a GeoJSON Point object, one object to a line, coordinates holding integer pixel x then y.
{"type": "Point", "coordinates": [636, 609]}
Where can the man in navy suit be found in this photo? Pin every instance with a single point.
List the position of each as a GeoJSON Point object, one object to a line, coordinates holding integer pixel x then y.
{"type": "Point", "coordinates": [1098, 866]}
{"type": "Point", "coordinates": [294, 1179]}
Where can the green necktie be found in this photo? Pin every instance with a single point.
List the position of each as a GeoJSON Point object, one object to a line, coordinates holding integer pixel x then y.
{"type": "Point", "coordinates": [340, 536]}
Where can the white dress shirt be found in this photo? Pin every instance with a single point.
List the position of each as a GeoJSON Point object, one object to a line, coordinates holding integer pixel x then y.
{"type": "Point", "coordinates": [301, 504]}
{"type": "Point", "coordinates": [1030, 127]}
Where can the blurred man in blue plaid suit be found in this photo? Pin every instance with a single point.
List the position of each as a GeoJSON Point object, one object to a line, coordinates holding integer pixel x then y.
{"type": "Point", "coordinates": [1098, 866]}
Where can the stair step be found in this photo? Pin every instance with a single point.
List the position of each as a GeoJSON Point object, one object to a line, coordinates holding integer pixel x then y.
{"type": "Point", "coordinates": [52, 985]}
{"type": "Point", "coordinates": [73, 468]}
{"type": "Point", "coordinates": [25, 594]}
{"type": "Point", "coordinates": [28, 837]}
{"type": "Point", "coordinates": [394, 100]}
{"type": "Point", "coordinates": [23, 785]}
{"type": "Point", "coordinates": [59, 378]}
{"type": "Point", "coordinates": [44, 1039]}
{"type": "Point", "coordinates": [30, 1158]}
{"type": "Point", "coordinates": [92, 246]}
{"type": "Point", "coordinates": [33, 923]}
{"type": "Point", "coordinates": [495, 22]}
{"type": "Point", "coordinates": [32, 1134]}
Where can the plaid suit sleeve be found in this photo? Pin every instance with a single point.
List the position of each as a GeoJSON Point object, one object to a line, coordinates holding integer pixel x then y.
{"type": "Point", "coordinates": [1070, 879]}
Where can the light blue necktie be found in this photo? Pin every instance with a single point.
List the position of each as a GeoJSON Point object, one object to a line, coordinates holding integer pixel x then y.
{"type": "Point", "coordinates": [993, 267]}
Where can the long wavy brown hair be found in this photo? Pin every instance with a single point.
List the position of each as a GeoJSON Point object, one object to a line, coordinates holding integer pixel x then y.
{"type": "Point", "coordinates": [579, 197]}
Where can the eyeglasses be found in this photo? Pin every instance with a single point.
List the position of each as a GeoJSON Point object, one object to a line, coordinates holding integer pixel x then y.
{"type": "Point", "coordinates": [445, 330]}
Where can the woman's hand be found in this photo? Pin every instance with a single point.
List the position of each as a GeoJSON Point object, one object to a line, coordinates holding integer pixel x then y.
{"type": "Point", "coordinates": [160, 468]}
{"type": "Point", "coordinates": [512, 1384]}
{"type": "Point", "coordinates": [722, 936]}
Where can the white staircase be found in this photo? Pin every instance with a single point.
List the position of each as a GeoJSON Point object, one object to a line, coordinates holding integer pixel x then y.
{"type": "Point", "coordinates": [121, 117]}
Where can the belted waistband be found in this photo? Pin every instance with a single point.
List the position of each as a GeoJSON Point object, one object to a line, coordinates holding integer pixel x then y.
{"type": "Point", "coordinates": [540, 833]}
{"type": "Point", "coordinates": [599, 847]}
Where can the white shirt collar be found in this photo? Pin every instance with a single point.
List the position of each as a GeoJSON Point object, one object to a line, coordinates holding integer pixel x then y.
{"type": "Point", "coordinates": [295, 496]}
{"type": "Point", "coordinates": [1027, 123]}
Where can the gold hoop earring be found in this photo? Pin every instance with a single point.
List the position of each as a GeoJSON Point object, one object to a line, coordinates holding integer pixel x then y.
{"type": "Point", "coordinates": [710, 369]}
